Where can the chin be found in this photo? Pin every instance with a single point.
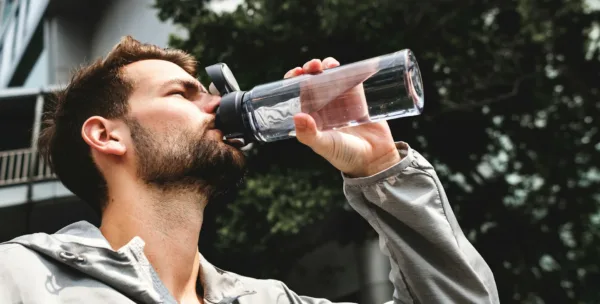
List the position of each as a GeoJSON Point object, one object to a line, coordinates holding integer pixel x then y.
{"type": "Point", "coordinates": [238, 156]}
{"type": "Point", "coordinates": [232, 153]}
{"type": "Point", "coordinates": [232, 146]}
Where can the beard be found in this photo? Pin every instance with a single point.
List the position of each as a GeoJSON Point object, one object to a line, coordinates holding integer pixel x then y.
{"type": "Point", "coordinates": [187, 160]}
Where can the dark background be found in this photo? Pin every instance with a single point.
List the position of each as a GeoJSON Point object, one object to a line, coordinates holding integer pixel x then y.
{"type": "Point", "coordinates": [510, 123]}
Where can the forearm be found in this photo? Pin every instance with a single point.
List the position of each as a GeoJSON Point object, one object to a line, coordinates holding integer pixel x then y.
{"type": "Point", "coordinates": [432, 261]}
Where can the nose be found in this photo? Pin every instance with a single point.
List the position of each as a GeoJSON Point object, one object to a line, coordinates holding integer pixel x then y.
{"type": "Point", "coordinates": [209, 103]}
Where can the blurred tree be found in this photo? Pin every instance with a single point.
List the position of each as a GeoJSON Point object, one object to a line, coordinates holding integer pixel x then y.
{"type": "Point", "coordinates": [511, 125]}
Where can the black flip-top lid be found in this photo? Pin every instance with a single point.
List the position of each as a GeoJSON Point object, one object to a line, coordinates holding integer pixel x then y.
{"type": "Point", "coordinates": [230, 113]}
{"type": "Point", "coordinates": [222, 78]}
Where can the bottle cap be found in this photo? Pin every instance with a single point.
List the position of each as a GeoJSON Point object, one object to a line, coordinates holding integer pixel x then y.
{"type": "Point", "coordinates": [230, 117]}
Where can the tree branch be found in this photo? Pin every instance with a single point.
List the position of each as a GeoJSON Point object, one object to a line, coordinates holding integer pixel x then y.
{"type": "Point", "coordinates": [470, 105]}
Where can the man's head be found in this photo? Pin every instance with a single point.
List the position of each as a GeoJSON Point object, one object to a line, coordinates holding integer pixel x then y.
{"type": "Point", "coordinates": [142, 113]}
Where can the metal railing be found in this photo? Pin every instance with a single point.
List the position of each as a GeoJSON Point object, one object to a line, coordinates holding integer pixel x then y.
{"type": "Point", "coordinates": [26, 165]}
{"type": "Point", "coordinates": [22, 166]}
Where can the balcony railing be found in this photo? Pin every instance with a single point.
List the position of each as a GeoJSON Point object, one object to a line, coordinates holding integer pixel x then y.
{"type": "Point", "coordinates": [23, 166]}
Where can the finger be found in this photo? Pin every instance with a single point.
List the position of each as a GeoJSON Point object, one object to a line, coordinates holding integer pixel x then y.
{"type": "Point", "coordinates": [308, 134]}
{"type": "Point", "coordinates": [314, 66]}
{"type": "Point", "coordinates": [294, 72]}
{"type": "Point", "coordinates": [319, 121]}
{"type": "Point", "coordinates": [306, 129]}
{"type": "Point", "coordinates": [330, 62]}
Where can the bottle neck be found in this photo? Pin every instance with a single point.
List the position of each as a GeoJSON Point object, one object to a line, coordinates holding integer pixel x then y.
{"type": "Point", "coordinates": [232, 117]}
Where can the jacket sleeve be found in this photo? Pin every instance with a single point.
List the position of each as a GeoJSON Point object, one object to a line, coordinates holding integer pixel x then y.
{"type": "Point", "coordinates": [432, 260]}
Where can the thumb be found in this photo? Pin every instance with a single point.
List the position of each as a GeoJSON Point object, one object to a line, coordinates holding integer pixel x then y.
{"type": "Point", "coordinates": [308, 134]}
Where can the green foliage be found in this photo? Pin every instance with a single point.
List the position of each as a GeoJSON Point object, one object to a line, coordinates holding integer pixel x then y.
{"type": "Point", "coordinates": [511, 124]}
{"type": "Point", "coordinates": [287, 200]}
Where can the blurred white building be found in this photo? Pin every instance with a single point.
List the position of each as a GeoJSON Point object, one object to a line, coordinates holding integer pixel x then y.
{"type": "Point", "coordinates": [41, 42]}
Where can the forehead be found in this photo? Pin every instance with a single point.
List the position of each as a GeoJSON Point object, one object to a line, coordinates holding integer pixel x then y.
{"type": "Point", "coordinates": [153, 72]}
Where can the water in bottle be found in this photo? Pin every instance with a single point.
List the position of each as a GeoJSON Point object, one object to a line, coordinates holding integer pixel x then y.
{"type": "Point", "coordinates": [380, 88]}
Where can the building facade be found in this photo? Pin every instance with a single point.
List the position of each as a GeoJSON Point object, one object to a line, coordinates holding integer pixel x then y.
{"type": "Point", "coordinates": [41, 42]}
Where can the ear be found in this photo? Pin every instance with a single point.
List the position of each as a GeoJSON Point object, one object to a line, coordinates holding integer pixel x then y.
{"type": "Point", "coordinates": [103, 136]}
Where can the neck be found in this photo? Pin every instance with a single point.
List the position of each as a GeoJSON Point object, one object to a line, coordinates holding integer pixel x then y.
{"type": "Point", "coordinates": [168, 220]}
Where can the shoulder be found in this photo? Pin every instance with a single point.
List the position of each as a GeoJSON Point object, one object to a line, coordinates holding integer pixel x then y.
{"type": "Point", "coordinates": [8, 251]}
{"type": "Point", "coordinates": [7, 248]}
{"type": "Point", "coordinates": [15, 255]}
{"type": "Point", "coordinates": [272, 290]}
{"type": "Point", "coordinates": [259, 285]}
{"type": "Point", "coordinates": [252, 282]}
{"type": "Point", "coordinates": [269, 290]}
{"type": "Point", "coordinates": [20, 268]}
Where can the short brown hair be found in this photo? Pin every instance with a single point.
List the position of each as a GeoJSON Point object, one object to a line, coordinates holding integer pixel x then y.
{"type": "Point", "coordinates": [96, 89]}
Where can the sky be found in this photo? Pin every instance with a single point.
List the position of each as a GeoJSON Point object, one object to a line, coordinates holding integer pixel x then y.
{"type": "Point", "coordinates": [230, 5]}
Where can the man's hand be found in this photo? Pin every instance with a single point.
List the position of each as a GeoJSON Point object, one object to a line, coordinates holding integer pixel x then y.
{"type": "Point", "coordinates": [357, 151]}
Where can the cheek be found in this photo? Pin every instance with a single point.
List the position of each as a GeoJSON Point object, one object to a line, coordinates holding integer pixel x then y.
{"type": "Point", "coordinates": [172, 117]}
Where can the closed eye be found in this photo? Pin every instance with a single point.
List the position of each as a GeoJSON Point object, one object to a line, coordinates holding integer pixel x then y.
{"type": "Point", "coordinates": [179, 92]}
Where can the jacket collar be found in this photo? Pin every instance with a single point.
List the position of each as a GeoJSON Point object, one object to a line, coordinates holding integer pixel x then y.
{"type": "Point", "coordinates": [82, 246]}
{"type": "Point", "coordinates": [221, 287]}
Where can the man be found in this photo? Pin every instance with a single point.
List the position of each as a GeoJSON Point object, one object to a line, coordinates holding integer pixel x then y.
{"type": "Point", "coordinates": [134, 136]}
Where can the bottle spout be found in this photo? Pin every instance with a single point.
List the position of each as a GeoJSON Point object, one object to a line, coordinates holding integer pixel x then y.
{"type": "Point", "coordinates": [229, 117]}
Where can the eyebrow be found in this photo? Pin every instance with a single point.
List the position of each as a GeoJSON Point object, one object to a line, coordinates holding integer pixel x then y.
{"type": "Point", "coordinates": [189, 85]}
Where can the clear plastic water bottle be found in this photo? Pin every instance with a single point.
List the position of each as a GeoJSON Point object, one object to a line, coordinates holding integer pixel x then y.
{"type": "Point", "coordinates": [380, 88]}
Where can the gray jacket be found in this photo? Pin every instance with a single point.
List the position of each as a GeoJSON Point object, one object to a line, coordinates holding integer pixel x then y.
{"type": "Point", "coordinates": [432, 261]}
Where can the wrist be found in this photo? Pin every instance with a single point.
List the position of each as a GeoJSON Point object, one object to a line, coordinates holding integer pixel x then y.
{"type": "Point", "coordinates": [384, 162]}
